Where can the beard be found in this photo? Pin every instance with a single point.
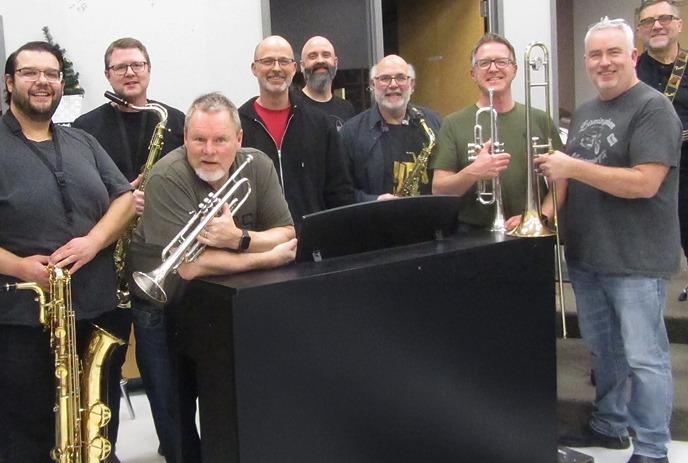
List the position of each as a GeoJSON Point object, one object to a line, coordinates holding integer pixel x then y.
{"type": "Point", "coordinates": [210, 177]}
{"type": "Point", "coordinates": [35, 112]}
{"type": "Point", "coordinates": [390, 106]}
{"type": "Point", "coordinates": [320, 82]}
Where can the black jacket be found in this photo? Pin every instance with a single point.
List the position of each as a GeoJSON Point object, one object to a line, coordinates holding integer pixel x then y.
{"type": "Point", "coordinates": [310, 165]}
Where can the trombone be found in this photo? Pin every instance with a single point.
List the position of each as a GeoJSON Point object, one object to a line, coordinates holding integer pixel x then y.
{"type": "Point", "coordinates": [492, 193]}
{"type": "Point", "coordinates": [184, 247]}
{"type": "Point", "coordinates": [531, 225]}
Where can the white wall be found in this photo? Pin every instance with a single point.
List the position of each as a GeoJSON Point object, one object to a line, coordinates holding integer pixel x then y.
{"type": "Point", "coordinates": [527, 21]}
{"type": "Point", "coordinates": [195, 47]}
{"type": "Point", "coordinates": [585, 13]}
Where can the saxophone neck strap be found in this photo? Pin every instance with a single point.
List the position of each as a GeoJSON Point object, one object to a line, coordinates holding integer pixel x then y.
{"type": "Point", "coordinates": [676, 74]}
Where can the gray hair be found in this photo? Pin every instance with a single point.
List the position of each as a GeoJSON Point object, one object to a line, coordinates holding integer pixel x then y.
{"type": "Point", "coordinates": [411, 71]}
{"type": "Point", "coordinates": [606, 23]}
{"type": "Point", "coordinates": [212, 102]}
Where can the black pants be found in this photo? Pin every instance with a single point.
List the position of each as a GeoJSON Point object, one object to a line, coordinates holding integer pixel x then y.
{"type": "Point", "coordinates": [201, 345]}
{"type": "Point", "coordinates": [27, 390]}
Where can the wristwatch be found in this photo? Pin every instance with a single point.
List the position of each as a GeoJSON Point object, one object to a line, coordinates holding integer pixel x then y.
{"type": "Point", "coordinates": [244, 241]}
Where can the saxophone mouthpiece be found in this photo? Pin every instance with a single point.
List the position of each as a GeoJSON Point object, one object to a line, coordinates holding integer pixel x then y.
{"type": "Point", "coordinates": [116, 98]}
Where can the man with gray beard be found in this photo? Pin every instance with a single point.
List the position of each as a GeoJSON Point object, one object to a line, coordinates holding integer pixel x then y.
{"type": "Point", "coordinates": [319, 66]}
{"type": "Point", "coordinates": [380, 143]}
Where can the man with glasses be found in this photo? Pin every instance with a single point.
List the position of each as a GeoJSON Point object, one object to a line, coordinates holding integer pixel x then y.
{"type": "Point", "coordinates": [63, 203]}
{"type": "Point", "coordinates": [380, 143]}
{"type": "Point", "coordinates": [493, 66]}
{"type": "Point", "coordinates": [319, 66]}
{"type": "Point", "coordinates": [621, 224]}
{"type": "Point", "coordinates": [125, 134]}
{"type": "Point", "coordinates": [301, 141]}
{"type": "Point", "coordinates": [663, 61]}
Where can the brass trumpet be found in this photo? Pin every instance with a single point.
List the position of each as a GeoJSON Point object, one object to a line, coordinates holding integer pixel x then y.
{"type": "Point", "coordinates": [531, 225]}
{"type": "Point", "coordinates": [492, 194]}
{"type": "Point", "coordinates": [184, 247]}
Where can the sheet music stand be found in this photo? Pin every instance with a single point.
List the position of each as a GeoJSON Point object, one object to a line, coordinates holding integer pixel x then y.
{"type": "Point", "coordinates": [376, 225]}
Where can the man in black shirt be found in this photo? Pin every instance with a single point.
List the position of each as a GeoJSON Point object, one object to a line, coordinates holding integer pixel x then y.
{"type": "Point", "coordinates": [125, 133]}
{"type": "Point", "coordinates": [319, 66]}
{"type": "Point", "coordinates": [658, 27]}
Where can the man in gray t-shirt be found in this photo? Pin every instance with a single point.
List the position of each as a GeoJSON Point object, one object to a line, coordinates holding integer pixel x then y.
{"type": "Point", "coordinates": [622, 242]}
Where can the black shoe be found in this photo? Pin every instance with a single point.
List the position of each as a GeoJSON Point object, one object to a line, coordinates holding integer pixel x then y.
{"type": "Point", "coordinates": [644, 459]}
{"type": "Point", "coordinates": [588, 437]}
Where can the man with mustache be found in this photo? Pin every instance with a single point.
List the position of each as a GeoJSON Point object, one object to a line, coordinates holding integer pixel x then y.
{"type": "Point", "coordinates": [63, 202]}
{"type": "Point", "coordinates": [125, 134]}
{"type": "Point", "coordinates": [383, 139]}
{"type": "Point", "coordinates": [258, 235]}
{"type": "Point", "coordinates": [659, 25]}
{"type": "Point", "coordinates": [319, 66]}
{"type": "Point", "coordinates": [493, 66]}
{"type": "Point", "coordinates": [301, 141]}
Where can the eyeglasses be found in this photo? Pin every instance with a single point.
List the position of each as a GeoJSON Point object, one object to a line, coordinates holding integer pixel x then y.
{"type": "Point", "coordinates": [385, 79]}
{"type": "Point", "coordinates": [121, 69]}
{"type": "Point", "coordinates": [500, 63]}
{"type": "Point", "coordinates": [32, 74]}
{"type": "Point", "coordinates": [270, 62]}
{"type": "Point", "coordinates": [664, 19]}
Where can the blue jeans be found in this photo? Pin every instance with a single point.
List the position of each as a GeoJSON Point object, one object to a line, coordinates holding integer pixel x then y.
{"type": "Point", "coordinates": [622, 323]}
{"type": "Point", "coordinates": [153, 359]}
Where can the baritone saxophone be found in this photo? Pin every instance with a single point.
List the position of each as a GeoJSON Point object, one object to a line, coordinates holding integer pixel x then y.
{"type": "Point", "coordinates": [80, 413]}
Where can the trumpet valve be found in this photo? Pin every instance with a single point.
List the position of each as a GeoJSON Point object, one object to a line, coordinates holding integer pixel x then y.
{"type": "Point", "coordinates": [473, 150]}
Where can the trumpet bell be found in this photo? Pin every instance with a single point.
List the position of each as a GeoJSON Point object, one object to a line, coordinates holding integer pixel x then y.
{"type": "Point", "coordinates": [151, 284]}
{"type": "Point", "coordinates": [531, 226]}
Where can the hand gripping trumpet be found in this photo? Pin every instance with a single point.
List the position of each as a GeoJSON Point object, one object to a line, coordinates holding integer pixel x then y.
{"type": "Point", "coordinates": [154, 149]}
{"type": "Point", "coordinates": [531, 225]}
{"type": "Point", "coordinates": [488, 195]}
{"type": "Point", "coordinates": [184, 247]}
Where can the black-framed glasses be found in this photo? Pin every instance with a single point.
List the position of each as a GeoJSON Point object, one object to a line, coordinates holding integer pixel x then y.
{"type": "Point", "coordinates": [500, 63]}
{"type": "Point", "coordinates": [121, 69]}
{"type": "Point", "coordinates": [385, 79]}
{"type": "Point", "coordinates": [664, 20]}
{"type": "Point", "coordinates": [32, 74]}
{"type": "Point", "coordinates": [270, 62]}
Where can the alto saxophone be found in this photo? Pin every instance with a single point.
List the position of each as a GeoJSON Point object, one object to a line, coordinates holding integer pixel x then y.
{"type": "Point", "coordinates": [154, 149]}
{"type": "Point", "coordinates": [411, 183]}
{"type": "Point", "coordinates": [80, 414]}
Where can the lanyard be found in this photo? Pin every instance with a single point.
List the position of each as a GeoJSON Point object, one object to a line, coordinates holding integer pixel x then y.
{"type": "Point", "coordinates": [56, 170]}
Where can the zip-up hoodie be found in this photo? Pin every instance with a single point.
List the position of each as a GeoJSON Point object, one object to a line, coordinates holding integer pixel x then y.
{"type": "Point", "coordinates": [310, 164]}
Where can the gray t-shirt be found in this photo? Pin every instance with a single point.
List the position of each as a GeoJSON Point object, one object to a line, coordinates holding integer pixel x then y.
{"type": "Point", "coordinates": [34, 220]}
{"type": "Point", "coordinates": [608, 234]}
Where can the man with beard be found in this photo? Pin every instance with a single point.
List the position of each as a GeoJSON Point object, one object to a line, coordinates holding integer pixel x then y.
{"type": "Point", "coordinates": [63, 202]}
{"type": "Point", "coordinates": [125, 134]}
{"type": "Point", "coordinates": [659, 25]}
{"type": "Point", "coordinates": [301, 141]}
{"type": "Point", "coordinates": [258, 235]}
{"type": "Point", "coordinates": [319, 66]}
{"type": "Point", "coordinates": [493, 66]}
{"type": "Point", "coordinates": [380, 143]}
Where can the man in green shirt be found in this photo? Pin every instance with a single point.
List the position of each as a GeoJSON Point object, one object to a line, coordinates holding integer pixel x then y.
{"type": "Point", "coordinates": [493, 67]}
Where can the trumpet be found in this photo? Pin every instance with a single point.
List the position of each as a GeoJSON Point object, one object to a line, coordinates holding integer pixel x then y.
{"type": "Point", "coordinates": [492, 193]}
{"type": "Point", "coordinates": [531, 225]}
{"type": "Point", "coordinates": [184, 247]}
{"type": "Point", "coordinates": [154, 149]}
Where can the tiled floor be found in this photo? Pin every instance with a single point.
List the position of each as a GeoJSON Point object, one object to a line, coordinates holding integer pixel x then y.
{"type": "Point", "coordinates": [139, 444]}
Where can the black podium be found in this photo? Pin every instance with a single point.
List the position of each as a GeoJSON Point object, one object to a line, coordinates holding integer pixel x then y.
{"type": "Point", "coordinates": [442, 351]}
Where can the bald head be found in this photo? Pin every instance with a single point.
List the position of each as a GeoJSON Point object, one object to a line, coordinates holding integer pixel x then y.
{"type": "Point", "coordinates": [317, 44]}
{"type": "Point", "coordinates": [274, 42]}
{"type": "Point", "coordinates": [319, 66]}
{"type": "Point", "coordinates": [393, 81]}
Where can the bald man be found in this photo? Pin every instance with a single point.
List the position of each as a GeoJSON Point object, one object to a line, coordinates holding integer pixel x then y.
{"type": "Point", "coordinates": [380, 143]}
{"type": "Point", "coordinates": [319, 66]}
{"type": "Point", "coordinates": [301, 141]}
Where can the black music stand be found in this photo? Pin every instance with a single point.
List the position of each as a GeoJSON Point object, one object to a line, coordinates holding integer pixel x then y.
{"type": "Point", "coordinates": [376, 225]}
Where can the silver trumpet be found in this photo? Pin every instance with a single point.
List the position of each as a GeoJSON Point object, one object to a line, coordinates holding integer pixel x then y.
{"type": "Point", "coordinates": [492, 193]}
{"type": "Point", "coordinates": [184, 247]}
